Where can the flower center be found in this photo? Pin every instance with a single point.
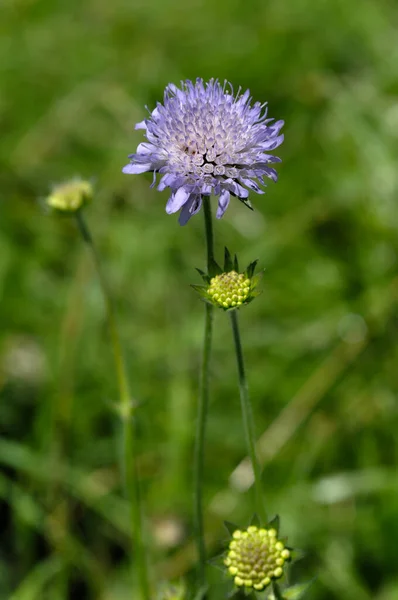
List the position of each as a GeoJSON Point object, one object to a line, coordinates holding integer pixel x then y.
{"type": "Point", "coordinates": [209, 162]}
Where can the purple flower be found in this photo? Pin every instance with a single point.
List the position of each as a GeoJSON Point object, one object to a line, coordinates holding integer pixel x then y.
{"type": "Point", "coordinates": [203, 140]}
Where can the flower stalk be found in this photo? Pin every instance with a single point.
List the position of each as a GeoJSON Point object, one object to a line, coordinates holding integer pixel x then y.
{"type": "Point", "coordinates": [247, 416]}
{"type": "Point", "coordinates": [203, 405]}
{"type": "Point", "coordinates": [129, 452]}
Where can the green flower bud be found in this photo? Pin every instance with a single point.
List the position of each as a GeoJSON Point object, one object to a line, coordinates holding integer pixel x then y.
{"type": "Point", "coordinates": [71, 196]}
{"type": "Point", "coordinates": [229, 290]}
{"type": "Point", "coordinates": [255, 557]}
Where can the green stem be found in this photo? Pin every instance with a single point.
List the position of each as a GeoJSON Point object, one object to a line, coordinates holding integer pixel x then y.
{"type": "Point", "coordinates": [203, 405]}
{"type": "Point", "coordinates": [247, 416]}
{"type": "Point", "coordinates": [209, 231]}
{"type": "Point", "coordinates": [129, 465]}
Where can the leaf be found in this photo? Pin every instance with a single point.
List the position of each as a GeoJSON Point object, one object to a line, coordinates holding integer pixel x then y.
{"type": "Point", "coordinates": [200, 289]}
{"type": "Point", "coordinates": [203, 275]}
{"type": "Point", "coordinates": [218, 562]}
{"type": "Point", "coordinates": [255, 520]}
{"type": "Point", "coordinates": [274, 523]}
{"type": "Point", "coordinates": [201, 593]}
{"type": "Point", "coordinates": [298, 591]}
{"type": "Point", "coordinates": [214, 268]}
{"type": "Point", "coordinates": [228, 266]}
{"type": "Point", "coordinates": [251, 268]}
{"type": "Point", "coordinates": [277, 592]}
{"type": "Point", "coordinates": [246, 202]}
{"type": "Point", "coordinates": [231, 527]}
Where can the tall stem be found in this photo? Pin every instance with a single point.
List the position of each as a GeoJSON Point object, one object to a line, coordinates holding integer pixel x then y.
{"type": "Point", "coordinates": [247, 416]}
{"type": "Point", "coordinates": [203, 405]}
{"type": "Point", "coordinates": [129, 465]}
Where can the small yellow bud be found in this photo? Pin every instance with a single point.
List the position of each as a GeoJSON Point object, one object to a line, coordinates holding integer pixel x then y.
{"type": "Point", "coordinates": [228, 289]}
{"type": "Point", "coordinates": [262, 532]}
{"type": "Point", "coordinates": [255, 557]}
{"type": "Point", "coordinates": [71, 196]}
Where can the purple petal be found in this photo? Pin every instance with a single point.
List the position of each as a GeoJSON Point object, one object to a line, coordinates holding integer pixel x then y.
{"type": "Point", "coordinates": [276, 127]}
{"type": "Point", "coordinates": [223, 202]}
{"type": "Point", "coordinates": [169, 180]}
{"type": "Point", "coordinates": [190, 208]}
{"type": "Point", "coordinates": [271, 173]}
{"type": "Point", "coordinates": [272, 143]}
{"type": "Point", "coordinates": [140, 125]}
{"type": "Point", "coordinates": [177, 200]}
{"type": "Point", "coordinates": [145, 148]}
{"type": "Point", "coordinates": [236, 189]}
{"type": "Point", "coordinates": [136, 169]}
{"type": "Point", "coordinates": [252, 185]}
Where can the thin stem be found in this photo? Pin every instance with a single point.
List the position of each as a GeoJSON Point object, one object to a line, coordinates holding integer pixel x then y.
{"type": "Point", "coordinates": [209, 231]}
{"type": "Point", "coordinates": [124, 391]}
{"type": "Point", "coordinates": [203, 405]}
{"type": "Point", "coordinates": [247, 416]}
{"type": "Point", "coordinates": [129, 465]}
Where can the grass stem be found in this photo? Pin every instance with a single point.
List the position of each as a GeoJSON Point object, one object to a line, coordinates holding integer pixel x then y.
{"type": "Point", "coordinates": [126, 409]}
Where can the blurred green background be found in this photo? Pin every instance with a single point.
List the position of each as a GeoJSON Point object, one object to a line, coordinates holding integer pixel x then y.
{"type": "Point", "coordinates": [320, 342]}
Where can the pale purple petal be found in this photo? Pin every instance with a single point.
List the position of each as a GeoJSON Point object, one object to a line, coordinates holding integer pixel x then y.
{"type": "Point", "coordinates": [236, 189]}
{"type": "Point", "coordinates": [136, 169]}
{"type": "Point", "coordinates": [190, 208]}
{"type": "Point", "coordinates": [272, 143]}
{"type": "Point", "coordinates": [252, 185]}
{"type": "Point", "coordinates": [141, 125]}
{"type": "Point", "coordinates": [177, 200]}
{"type": "Point", "coordinates": [223, 202]}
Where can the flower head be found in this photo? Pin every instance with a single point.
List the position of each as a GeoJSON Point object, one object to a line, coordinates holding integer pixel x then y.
{"type": "Point", "coordinates": [256, 557]}
{"type": "Point", "coordinates": [205, 140]}
{"type": "Point", "coordinates": [228, 288]}
{"type": "Point", "coordinates": [70, 196]}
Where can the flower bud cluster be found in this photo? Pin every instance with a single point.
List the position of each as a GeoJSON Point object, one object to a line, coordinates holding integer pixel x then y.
{"type": "Point", "coordinates": [229, 290]}
{"type": "Point", "coordinates": [255, 557]}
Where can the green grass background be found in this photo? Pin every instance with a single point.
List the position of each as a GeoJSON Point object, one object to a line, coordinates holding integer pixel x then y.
{"type": "Point", "coordinates": [320, 342]}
